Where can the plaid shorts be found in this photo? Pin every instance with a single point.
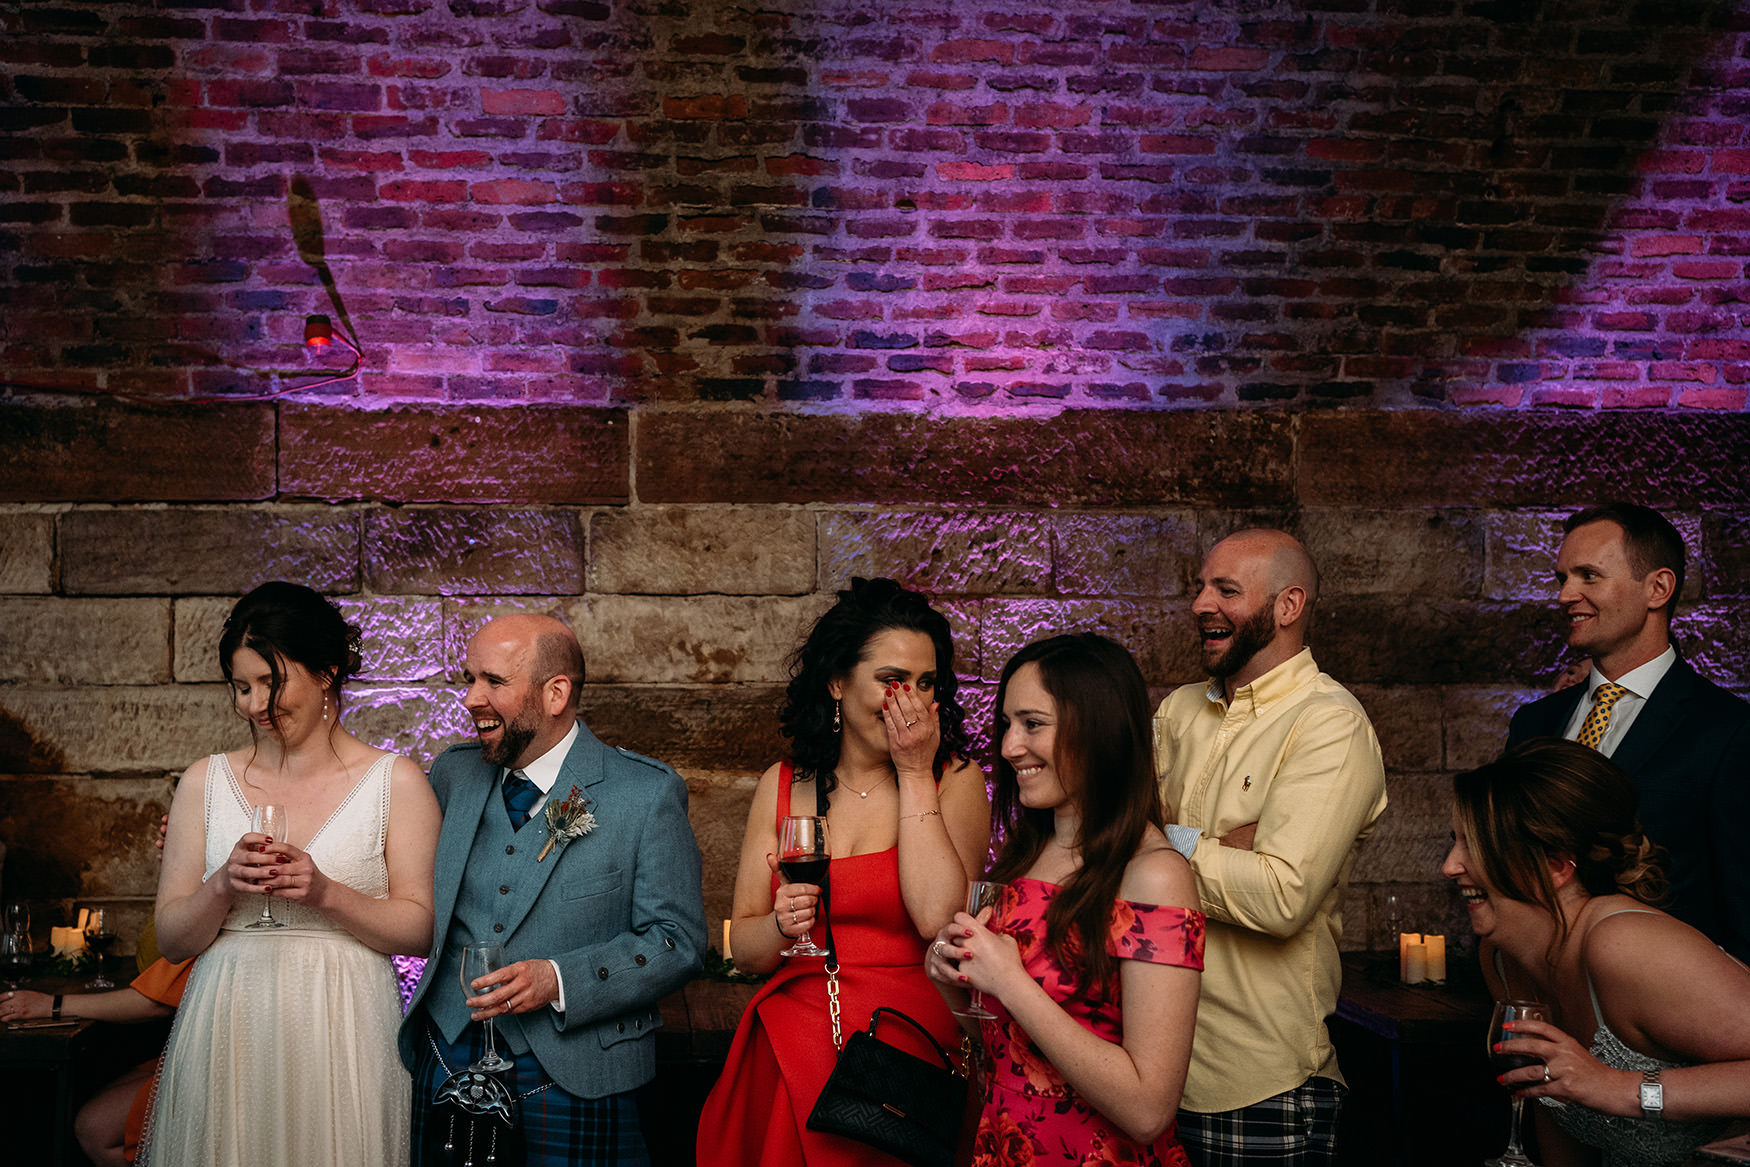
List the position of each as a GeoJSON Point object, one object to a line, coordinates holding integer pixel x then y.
{"type": "Point", "coordinates": [560, 1129]}
{"type": "Point", "coordinates": [1297, 1127]}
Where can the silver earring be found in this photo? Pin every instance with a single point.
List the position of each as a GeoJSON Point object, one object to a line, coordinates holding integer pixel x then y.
{"type": "Point", "coordinates": [835, 716]}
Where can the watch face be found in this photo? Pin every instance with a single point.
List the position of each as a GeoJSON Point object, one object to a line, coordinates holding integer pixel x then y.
{"type": "Point", "coordinates": [1652, 1096]}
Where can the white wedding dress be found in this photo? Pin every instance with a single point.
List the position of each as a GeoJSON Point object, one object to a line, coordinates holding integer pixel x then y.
{"type": "Point", "coordinates": [283, 1051]}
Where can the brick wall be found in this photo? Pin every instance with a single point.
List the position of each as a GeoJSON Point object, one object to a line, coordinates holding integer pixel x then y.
{"type": "Point", "coordinates": [971, 206]}
{"type": "Point", "coordinates": [1026, 307]}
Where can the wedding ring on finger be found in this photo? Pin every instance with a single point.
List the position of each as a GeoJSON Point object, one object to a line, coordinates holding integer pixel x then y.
{"type": "Point", "coordinates": [941, 950]}
{"type": "Point", "coordinates": [1546, 1071]}
{"type": "Point", "coordinates": [909, 724]}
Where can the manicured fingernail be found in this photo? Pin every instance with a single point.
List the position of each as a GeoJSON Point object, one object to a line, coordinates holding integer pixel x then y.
{"type": "Point", "coordinates": [963, 979]}
{"type": "Point", "coordinates": [908, 688]}
{"type": "Point", "coordinates": [968, 932]}
{"type": "Point", "coordinates": [272, 871]}
{"type": "Point", "coordinates": [1496, 1048]}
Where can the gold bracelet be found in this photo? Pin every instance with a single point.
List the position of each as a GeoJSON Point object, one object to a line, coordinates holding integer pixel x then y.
{"type": "Point", "coordinates": [923, 814]}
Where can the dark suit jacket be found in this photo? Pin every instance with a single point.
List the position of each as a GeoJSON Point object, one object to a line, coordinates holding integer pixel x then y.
{"type": "Point", "coordinates": [619, 909]}
{"type": "Point", "coordinates": [1689, 752]}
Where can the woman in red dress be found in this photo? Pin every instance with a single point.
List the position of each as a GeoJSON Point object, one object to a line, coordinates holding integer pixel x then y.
{"type": "Point", "coordinates": [1091, 962]}
{"type": "Point", "coordinates": [875, 726]}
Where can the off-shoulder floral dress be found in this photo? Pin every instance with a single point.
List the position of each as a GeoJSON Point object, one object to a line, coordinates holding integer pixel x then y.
{"type": "Point", "coordinates": [1031, 1115]}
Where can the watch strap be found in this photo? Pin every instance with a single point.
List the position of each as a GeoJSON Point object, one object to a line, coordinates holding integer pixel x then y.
{"type": "Point", "coordinates": [55, 1008]}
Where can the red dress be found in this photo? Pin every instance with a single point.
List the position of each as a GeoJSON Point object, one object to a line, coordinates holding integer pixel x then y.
{"type": "Point", "coordinates": [783, 1051]}
{"type": "Point", "coordinates": [1031, 1115]}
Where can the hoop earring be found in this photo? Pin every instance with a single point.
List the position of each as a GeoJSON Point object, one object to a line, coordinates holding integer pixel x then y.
{"type": "Point", "coordinates": [836, 725]}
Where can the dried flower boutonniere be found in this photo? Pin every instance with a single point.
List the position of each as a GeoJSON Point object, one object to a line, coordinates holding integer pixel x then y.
{"type": "Point", "coordinates": [566, 820]}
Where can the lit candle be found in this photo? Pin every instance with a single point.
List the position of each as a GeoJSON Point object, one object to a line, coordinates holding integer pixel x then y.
{"type": "Point", "coordinates": [1416, 964]}
{"type": "Point", "coordinates": [726, 952]}
{"type": "Point", "coordinates": [1436, 946]}
{"type": "Point", "coordinates": [1405, 939]}
{"type": "Point", "coordinates": [67, 941]}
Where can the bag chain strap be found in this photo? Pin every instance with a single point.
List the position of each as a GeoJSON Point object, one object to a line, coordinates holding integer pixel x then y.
{"type": "Point", "coordinates": [832, 1004]}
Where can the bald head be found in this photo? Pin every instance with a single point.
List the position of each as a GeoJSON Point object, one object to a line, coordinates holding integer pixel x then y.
{"type": "Point", "coordinates": [1254, 597]}
{"type": "Point", "coordinates": [524, 673]}
{"type": "Point", "coordinates": [1284, 563]}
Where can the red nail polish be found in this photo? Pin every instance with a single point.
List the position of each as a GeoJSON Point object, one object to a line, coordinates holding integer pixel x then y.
{"type": "Point", "coordinates": [908, 688]}
{"type": "Point", "coordinates": [963, 979]}
{"type": "Point", "coordinates": [272, 871]}
{"type": "Point", "coordinates": [968, 932]}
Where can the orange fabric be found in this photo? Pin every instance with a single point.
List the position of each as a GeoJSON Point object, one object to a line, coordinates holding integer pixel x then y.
{"type": "Point", "coordinates": [163, 982]}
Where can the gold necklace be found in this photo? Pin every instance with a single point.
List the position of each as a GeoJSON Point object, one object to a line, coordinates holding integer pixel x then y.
{"type": "Point", "coordinates": [863, 793]}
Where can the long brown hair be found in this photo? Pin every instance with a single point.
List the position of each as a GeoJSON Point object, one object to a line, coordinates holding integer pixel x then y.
{"type": "Point", "coordinates": [1546, 798]}
{"type": "Point", "coordinates": [1104, 757]}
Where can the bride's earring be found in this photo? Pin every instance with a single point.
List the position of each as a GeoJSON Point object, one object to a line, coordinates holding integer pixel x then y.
{"type": "Point", "coordinates": [835, 716]}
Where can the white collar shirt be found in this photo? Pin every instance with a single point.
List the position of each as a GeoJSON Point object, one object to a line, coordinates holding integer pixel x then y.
{"type": "Point", "coordinates": [1640, 683]}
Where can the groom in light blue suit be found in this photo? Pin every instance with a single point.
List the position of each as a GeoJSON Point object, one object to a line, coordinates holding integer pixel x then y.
{"type": "Point", "coordinates": [596, 929]}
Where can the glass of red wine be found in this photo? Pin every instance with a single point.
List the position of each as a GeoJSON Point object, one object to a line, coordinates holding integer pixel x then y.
{"type": "Point", "coordinates": [100, 937]}
{"type": "Point", "coordinates": [1502, 1037]}
{"type": "Point", "coordinates": [802, 858]}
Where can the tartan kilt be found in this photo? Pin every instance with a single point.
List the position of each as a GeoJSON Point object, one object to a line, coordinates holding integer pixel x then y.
{"type": "Point", "coordinates": [558, 1129]}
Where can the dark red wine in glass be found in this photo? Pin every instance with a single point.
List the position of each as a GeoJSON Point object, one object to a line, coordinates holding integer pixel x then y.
{"type": "Point", "coordinates": [803, 868]}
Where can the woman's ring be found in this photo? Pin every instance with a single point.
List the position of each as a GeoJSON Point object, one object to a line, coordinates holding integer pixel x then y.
{"type": "Point", "coordinates": [792, 915]}
{"type": "Point", "coordinates": [939, 951]}
{"type": "Point", "coordinates": [1546, 1071]}
{"type": "Point", "coordinates": [909, 724]}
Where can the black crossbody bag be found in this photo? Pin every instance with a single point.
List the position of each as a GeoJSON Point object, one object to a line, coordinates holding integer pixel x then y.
{"type": "Point", "coordinates": [880, 1095]}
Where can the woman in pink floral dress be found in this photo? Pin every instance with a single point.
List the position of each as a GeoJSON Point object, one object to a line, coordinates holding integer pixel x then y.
{"type": "Point", "coordinates": [1092, 960]}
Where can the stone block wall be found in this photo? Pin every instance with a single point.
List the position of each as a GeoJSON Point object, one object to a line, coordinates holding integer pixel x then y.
{"type": "Point", "coordinates": [723, 535]}
{"type": "Point", "coordinates": [677, 315]}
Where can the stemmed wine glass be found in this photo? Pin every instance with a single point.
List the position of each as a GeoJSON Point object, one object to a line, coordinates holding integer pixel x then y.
{"type": "Point", "coordinates": [1508, 1011]}
{"type": "Point", "coordinates": [980, 894]}
{"type": "Point", "coordinates": [15, 942]}
{"type": "Point", "coordinates": [100, 938]}
{"type": "Point", "coordinates": [270, 820]}
{"type": "Point", "coordinates": [803, 858]}
{"type": "Point", "coordinates": [479, 959]}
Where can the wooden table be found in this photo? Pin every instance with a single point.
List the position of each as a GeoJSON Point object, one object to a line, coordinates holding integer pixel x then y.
{"type": "Point", "coordinates": [58, 1052]}
{"type": "Point", "coordinates": [1420, 1087]}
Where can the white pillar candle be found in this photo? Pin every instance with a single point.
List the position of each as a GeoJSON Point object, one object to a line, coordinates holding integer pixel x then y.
{"type": "Point", "coordinates": [726, 953]}
{"type": "Point", "coordinates": [1436, 946]}
{"type": "Point", "coordinates": [67, 941]}
{"type": "Point", "coordinates": [1416, 964]}
{"type": "Point", "coordinates": [1405, 939]}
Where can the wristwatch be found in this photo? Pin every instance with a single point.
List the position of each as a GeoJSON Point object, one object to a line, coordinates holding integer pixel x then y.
{"type": "Point", "coordinates": [1652, 1095]}
{"type": "Point", "coordinates": [55, 1008]}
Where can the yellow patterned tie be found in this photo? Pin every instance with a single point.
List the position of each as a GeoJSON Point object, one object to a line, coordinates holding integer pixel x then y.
{"type": "Point", "coordinates": [1598, 717]}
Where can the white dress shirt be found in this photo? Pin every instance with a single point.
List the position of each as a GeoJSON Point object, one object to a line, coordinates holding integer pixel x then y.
{"type": "Point", "coordinates": [1640, 683]}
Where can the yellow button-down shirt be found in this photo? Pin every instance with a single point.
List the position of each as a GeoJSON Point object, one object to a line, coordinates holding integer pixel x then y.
{"type": "Point", "coordinates": [1295, 754]}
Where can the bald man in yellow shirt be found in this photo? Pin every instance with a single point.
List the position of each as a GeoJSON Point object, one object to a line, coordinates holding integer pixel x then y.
{"type": "Point", "coordinates": [1279, 767]}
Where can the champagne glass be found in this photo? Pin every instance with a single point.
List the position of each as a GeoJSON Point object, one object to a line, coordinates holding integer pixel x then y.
{"type": "Point", "coordinates": [803, 858]}
{"type": "Point", "coordinates": [479, 959]}
{"type": "Point", "coordinates": [99, 938]}
{"type": "Point", "coordinates": [980, 894]}
{"type": "Point", "coordinates": [1506, 1011]}
{"type": "Point", "coordinates": [15, 943]}
{"type": "Point", "coordinates": [270, 820]}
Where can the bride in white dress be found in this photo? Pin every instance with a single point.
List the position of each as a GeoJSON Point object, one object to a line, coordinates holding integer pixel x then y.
{"type": "Point", "coordinates": [283, 1051]}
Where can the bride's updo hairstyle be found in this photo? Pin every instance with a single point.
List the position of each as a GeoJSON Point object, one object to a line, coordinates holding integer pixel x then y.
{"type": "Point", "coordinates": [1549, 799]}
{"type": "Point", "coordinates": [289, 622]}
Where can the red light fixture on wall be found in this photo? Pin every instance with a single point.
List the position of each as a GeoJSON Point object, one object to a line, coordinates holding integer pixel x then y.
{"type": "Point", "coordinates": [318, 332]}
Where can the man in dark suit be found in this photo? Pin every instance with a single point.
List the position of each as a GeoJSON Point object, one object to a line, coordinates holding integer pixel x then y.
{"type": "Point", "coordinates": [1685, 740]}
{"type": "Point", "coordinates": [597, 924]}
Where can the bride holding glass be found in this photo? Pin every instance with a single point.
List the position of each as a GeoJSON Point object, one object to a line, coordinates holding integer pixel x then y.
{"type": "Point", "coordinates": [284, 1049]}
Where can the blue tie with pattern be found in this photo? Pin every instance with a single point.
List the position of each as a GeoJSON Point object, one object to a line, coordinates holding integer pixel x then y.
{"type": "Point", "coordinates": [519, 798]}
